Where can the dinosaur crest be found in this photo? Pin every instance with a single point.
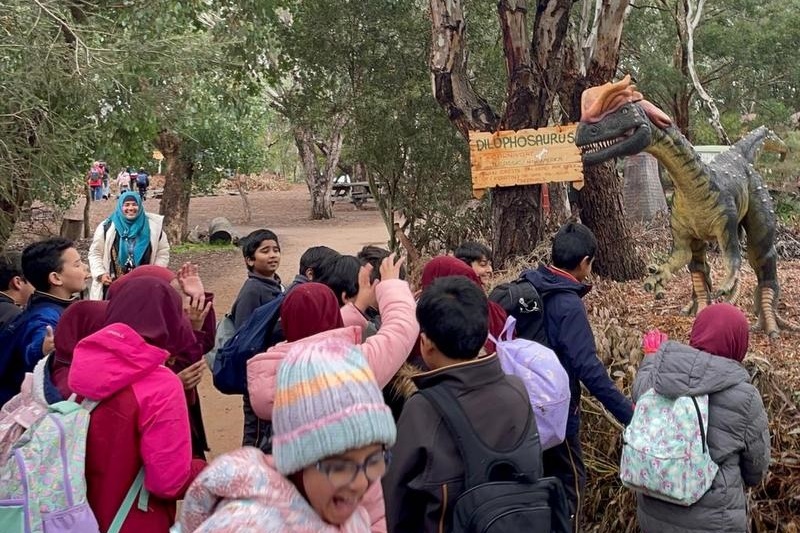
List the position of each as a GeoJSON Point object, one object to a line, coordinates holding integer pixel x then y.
{"type": "Point", "coordinates": [599, 102]}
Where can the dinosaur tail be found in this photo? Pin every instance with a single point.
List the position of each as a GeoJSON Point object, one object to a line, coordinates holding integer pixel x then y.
{"type": "Point", "coordinates": [761, 138]}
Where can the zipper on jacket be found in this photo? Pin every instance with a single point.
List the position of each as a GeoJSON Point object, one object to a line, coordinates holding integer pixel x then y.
{"type": "Point", "coordinates": [444, 507]}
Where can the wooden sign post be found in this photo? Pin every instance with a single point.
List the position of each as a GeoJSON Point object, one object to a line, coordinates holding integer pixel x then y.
{"type": "Point", "coordinates": [524, 157]}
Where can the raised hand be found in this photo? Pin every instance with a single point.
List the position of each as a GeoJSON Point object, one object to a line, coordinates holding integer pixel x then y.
{"type": "Point", "coordinates": [190, 282]}
{"type": "Point", "coordinates": [366, 289]}
{"type": "Point", "coordinates": [391, 269]}
{"type": "Point", "coordinates": [196, 309]}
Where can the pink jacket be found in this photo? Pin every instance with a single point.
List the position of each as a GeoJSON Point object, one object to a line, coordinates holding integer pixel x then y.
{"type": "Point", "coordinates": [242, 492]}
{"type": "Point", "coordinates": [386, 351]}
{"type": "Point", "coordinates": [142, 420]}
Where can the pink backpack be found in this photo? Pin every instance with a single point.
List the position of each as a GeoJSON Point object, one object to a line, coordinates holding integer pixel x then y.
{"type": "Point", "coordinates": [22, 411]}
{"type": "Point", "coordinates": [545, 380]}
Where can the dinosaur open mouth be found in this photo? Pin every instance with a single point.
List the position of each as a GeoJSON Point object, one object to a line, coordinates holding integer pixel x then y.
{"type": "Point", "coordinates": [606, 143]}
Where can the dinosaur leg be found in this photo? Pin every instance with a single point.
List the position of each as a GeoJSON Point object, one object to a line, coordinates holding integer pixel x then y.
{"type": "Point", "coordinates": [759, 225]}
{"type": "Point", "coordinates": [728, 238]}
{"type": "Point", "coordinates": [679, 257]}
{"type": "Point", "coordinates": [701, 279]}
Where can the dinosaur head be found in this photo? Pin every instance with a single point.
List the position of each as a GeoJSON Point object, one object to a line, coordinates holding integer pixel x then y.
{"type": "Point", "coordinates": [616, 121]}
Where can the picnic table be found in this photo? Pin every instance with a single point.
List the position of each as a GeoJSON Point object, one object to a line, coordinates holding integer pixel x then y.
{"type": "Point", "coordinates": [358, 192]}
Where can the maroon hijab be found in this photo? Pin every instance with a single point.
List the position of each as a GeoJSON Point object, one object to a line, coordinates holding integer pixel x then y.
{"type": "Point", "coordinates": [80, 320]}
{"type": "Point", "coordinates": [445, 265]}
{"type": "Point", "coordinates": [152, 308]}
{"type": "Point", "coordinates": [308, 309]}
{"type": "Point", "coordinates": [151, 271]}
{"type": "Point", "coordinates": [721, 329]}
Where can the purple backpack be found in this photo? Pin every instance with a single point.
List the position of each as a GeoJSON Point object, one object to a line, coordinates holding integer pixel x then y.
{"type": "Point", "coordinates": [545, 380]}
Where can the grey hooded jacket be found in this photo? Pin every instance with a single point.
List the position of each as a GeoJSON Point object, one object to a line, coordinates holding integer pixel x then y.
{"type": "Point", "coordinates": [738, 437]}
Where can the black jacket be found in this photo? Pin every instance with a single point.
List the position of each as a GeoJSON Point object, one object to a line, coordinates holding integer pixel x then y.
{"type": "Point", "coordinates": [427, 475]}
{"type": "Point", "coordinates": [571, 337]}
{"type": "Point", "coordinates": [255, 292]}
{"type": "Point", "coordinates": [8, 310]}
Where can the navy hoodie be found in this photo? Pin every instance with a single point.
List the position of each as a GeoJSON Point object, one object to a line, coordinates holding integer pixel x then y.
{"type": "Point", "coordinates": [570, 336]}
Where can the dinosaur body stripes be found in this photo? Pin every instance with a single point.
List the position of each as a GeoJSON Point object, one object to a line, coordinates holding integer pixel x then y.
{"type": "Point", "coordinates": [717, 201]}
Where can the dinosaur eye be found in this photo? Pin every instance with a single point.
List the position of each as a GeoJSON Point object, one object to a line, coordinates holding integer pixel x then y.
{"type": "Point", "coordinates": [624, 110]}
{"type": "Point", "coordinates": [593, 130]}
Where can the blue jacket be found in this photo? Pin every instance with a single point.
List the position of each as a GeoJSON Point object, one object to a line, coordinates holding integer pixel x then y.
{"type": "Point", "coordinates": [571, 337]}
{"type": "Point", "coordinates": [22, 347]}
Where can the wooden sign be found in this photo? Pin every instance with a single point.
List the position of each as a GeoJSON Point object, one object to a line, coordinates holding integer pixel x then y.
{"type": "Point", "coordinates": [524, 157]}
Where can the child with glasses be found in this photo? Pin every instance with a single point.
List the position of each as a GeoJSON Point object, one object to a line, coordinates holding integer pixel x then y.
{"type": "Point", "coordinates": [331, 434]}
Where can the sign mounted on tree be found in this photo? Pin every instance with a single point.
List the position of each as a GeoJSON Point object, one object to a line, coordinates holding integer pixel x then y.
{"type": "Point", "coordinates": [524, 157]}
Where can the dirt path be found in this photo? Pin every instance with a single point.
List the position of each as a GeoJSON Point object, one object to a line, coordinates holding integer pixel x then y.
{"type": "Point", "coordinates": [223, 272]}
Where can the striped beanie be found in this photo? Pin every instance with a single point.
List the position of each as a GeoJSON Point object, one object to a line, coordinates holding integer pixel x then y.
{"type": "Point", "coordinates": [326, 403]}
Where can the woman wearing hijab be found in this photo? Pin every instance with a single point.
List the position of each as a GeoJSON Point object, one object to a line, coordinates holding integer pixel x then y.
{"type": "Point", "coordinates": [738, 435]}
{"type": "Point", "coordinates": [310, 314]}
{"type": "Point", "coordinates": [127, 239]}
{"type": "Point", "coordinates": [141, 420]}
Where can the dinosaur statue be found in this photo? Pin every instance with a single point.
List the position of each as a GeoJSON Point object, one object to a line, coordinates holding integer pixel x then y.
{"type": "Point", "coordinates": [715, 201]}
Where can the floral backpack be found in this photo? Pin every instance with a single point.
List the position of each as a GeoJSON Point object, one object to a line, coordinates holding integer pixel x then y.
{"type": "Point", "coordinates": [545, 380]}
{"type": "Point", "coordinates": [42, 481]}
{"type": "Point", "coordinates": [665, 454]}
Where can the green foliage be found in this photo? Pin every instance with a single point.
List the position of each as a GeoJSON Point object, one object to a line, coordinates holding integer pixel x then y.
{"type": "Point", "coordinates": [84, 81]}
{"type": "Point", "coordinates": [745, 55]}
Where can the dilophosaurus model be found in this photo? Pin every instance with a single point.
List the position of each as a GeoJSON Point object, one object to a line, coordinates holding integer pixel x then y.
{"type": "Point", "coordinates": [715, 201]}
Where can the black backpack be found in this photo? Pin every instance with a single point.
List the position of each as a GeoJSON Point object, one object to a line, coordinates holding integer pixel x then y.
{"type": "Point", "coordinates": [520, 299]}
{"type": "Point", "coordinates": [503, 492]}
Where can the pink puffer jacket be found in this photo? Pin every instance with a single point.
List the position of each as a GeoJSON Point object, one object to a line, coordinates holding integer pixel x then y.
{"type": "Point", "coordinates": [386, 351]}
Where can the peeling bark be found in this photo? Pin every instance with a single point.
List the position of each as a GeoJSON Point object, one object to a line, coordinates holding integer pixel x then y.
{"type": "Point", "coordinates": [693, 13]}
{"type": "Point", "coordinates": [600, 201]}
{"type": "Point", "coordinates": [177, 186]}
{"type": "Point", "coordinates": [320, 181]}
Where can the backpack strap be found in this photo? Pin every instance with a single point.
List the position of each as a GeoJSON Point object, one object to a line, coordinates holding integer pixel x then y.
{"type": "Point", "coordinates": [136, 489]}
{"type": "Point", "coordinates": [478, 457]}
{"type": "Point", "coordinates": [702, 427]}
{"type": "Point", "coordinates": [508, 331]}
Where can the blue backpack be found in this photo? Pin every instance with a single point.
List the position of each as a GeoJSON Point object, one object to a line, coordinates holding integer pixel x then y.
{"type": "Point", "coordinates": [254, 336]}
{"type": "Point", "coordinates": [142, 179]}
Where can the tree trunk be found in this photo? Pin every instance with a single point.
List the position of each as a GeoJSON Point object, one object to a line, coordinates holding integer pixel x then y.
{"type": "Point", "coordinates": [320, 181]}
{"type": "Point", "coordinates": [177, 186]}
{"type": "Point", "coordinates": [517, 222]}
{"type": "Point", "coordinates": [601, 206]}
{"type": "Point", "coordinates": [87, 199]}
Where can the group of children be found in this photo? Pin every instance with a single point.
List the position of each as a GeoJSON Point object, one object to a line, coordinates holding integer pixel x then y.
{"type": "Point", "coordinates": [336, 436]}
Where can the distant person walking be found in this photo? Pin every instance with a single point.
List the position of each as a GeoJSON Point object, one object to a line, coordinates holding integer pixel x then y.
{"type": "Point", "coordinates": [94, 178]}
{"type": "Point", "coordinates": [142, 183]}
{"type": "Point", "coordinates": [123, 182]}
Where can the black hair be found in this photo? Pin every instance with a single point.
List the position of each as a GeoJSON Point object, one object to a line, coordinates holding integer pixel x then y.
{"type": "Point", "coordinates": [314, 257]}
{"type": "Point", "coordinates": [472, 251]}
{"type": "Point", "coordinates": [374, 255]}
{"type": "Point", "coordinates": [340, 273]}
{"type": "Point", "coordinates": [42, 258]}
{"type": "Point", "coordinates": [571, 244]}
{"type": "Point", "coordinates": [253, 241]}
{"type": "Point", "coordinates": [10, 268]}
{"type": "Point", "coordinates": [454, 313]}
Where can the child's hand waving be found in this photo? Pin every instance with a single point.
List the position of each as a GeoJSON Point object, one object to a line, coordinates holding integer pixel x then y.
{"type": "Point", "coordinates": [391, 269]}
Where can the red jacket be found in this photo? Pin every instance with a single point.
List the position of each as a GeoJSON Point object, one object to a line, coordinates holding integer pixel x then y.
{"type": "Point", "coordinates": [142, 420]}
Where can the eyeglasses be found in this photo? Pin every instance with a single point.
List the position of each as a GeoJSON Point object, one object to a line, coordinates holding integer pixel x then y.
{"type": "Point", "coordinates": [341, 472]}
